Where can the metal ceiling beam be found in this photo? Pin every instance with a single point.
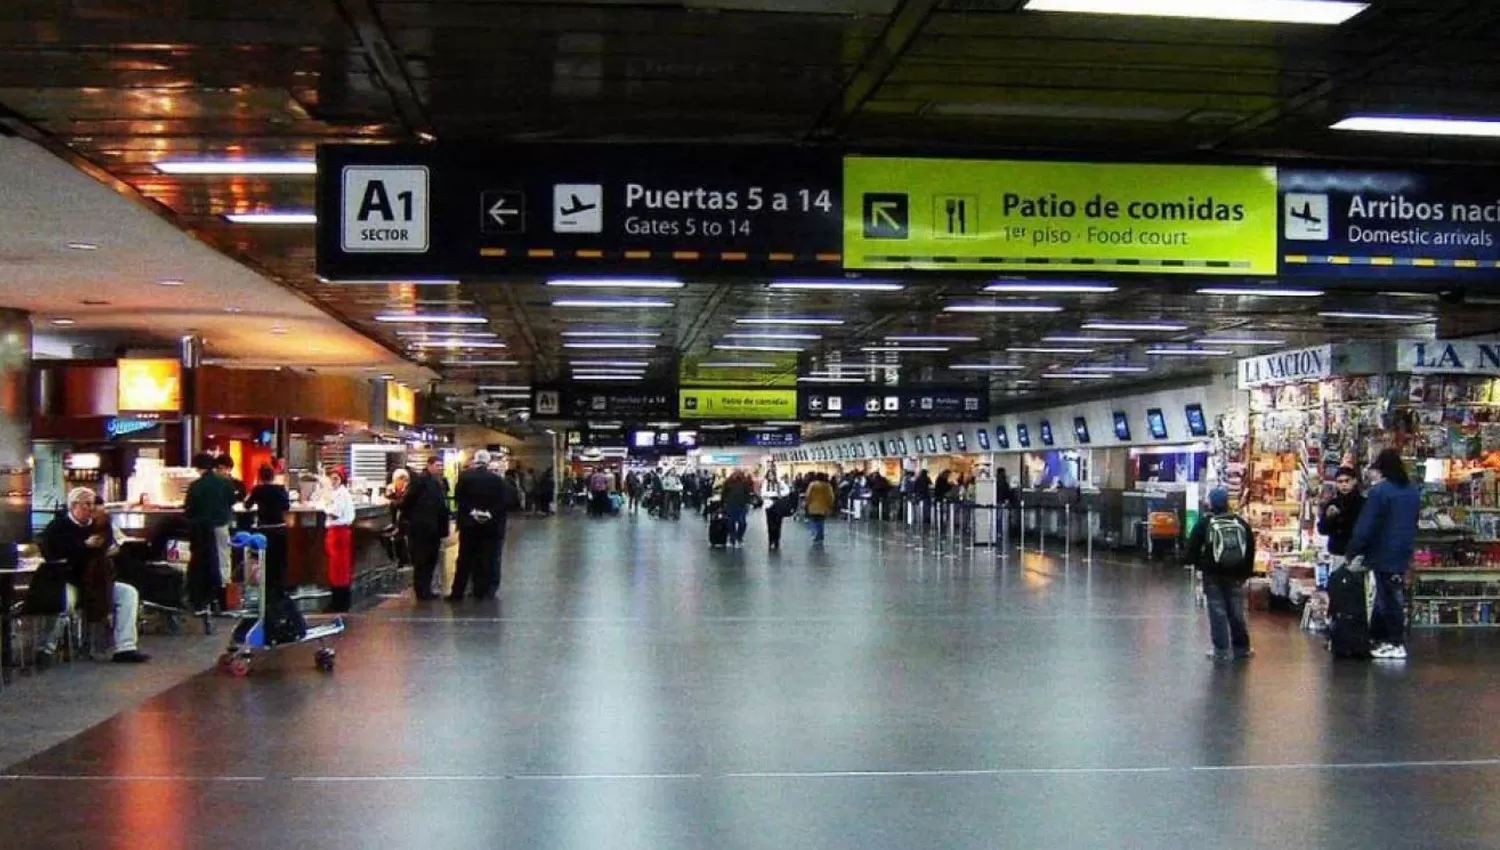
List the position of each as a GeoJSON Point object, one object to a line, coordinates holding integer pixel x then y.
{"type": "Point", "coordinates": [901, 31]}
{"type": "Point", "coordinates": [705, 317]}
{"type": "Point", "coordinates": [541, 364]}
{"type": "Point", "coordinates": [386, 64]}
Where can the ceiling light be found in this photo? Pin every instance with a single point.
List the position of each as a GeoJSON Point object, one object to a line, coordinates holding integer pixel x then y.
{"type": "Point", "coordinates": [824, 379]}
{"type": "Point", "coordinates": [237, 166]}
{"type": "Point", "coordinates": [1261, 292]}
{"type": "Point", "coordinates": [1051, 288]}
{"type": "Point", "coordinates": [1190, 351]}
{"type": "Point", "coordinates": [764, 348]}
{"type": "Point", "coordinates": [1415, 126]}
{"type": "Point", "coordinates": [605, 426]}
{"type": "Point", "coordinates": [614, 334]}
{"type": "Point", "coordinates": [63, 322]}
{"type": "Point", "coordinates": [406, 281]}
{"type": "Point", "coordinates": [430, 318]}
{"type": "Point", "coordinates": [171, 282]}
{"type": "Point", "coordinates": [589, 376]}
{"type": "Point", "coordinates": [988, 367]}
{"type": "Point", "coordinates": [1096, 340]}
{"type": "Point", "coordinates": [234, 309]}
{"type": "Point", "coordinates": [1115, 370]}
{"type": "Point", "coordinates": [634, 364]}
{"type": "Point", "coordinates": [601, 346]}
{"type": "Point", "coordinates": [503, 388]}
{"type": "Point", "coordinates": [742, 364]}
{"type": "Point", "coordinates": [272, 218]}
{"type": "Point", "coordinates": [931, 338]}
{"type": "Point", "coordinates": [612, 302]}
{"type": "Point", "coordinates": [481, 362]}
{"type": "Point", "coordinates": [1002, 308]}
{"type": "Point", "coordinates": [1377, 317]}
{"type": "Point", "coordinates": [456, 343]}
{"type": "Point", "coordinates": [788, 320]}
{"type": "Point", "coordinates": [446, 333]}
{"type": "Point", "coordinates": [783, 422]}
{"type": "Point", "coordinates": [810, 337]}
{"type": "Point", "coordinates": [599, 371]}
{"type": "Point", "coordinates": [918, 349]}
{"type": "Point", "coordinates": [1322, 12]}
{"type": "Point", "coordinates": [1077, 376]}
{"type": "Point", "coordinates": [1229, 340]}
{"type": "Point", "coordinates": [1050, 350]}
{"type": "Point", "coordinates": [278, 330]}
{"type": "Point", "coordinates": [83, 246]}
{"type": "Point", "coordinates": [838, 285]}
{"type": "Point", "coordinates": [387, 377]}
{"type": "Point", "coordinates": [618, 283]}
{"type": "Point", "coordinates": [1168, 327]}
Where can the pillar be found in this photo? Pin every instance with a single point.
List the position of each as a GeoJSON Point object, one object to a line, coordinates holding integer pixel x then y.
{"type": "Point", "coordinates": [15, 431]}
{"type": "Point", "coordinates": [191, 349]}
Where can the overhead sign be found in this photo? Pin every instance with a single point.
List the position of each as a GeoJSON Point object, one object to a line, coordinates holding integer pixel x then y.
{"type": "Point", "coordinates": [762, 436]}
{"type": "Point", "coordinates": [400, 404]}
{"type": "Point", "coordinates": [1286, 367]}
{"type": "Point", "coordinates": [1448, 357]}
{"type": "Point", "coordinates": [1390, 224]}
{"type": "Point", "coordinates": [149, 386]}
{"type": "Point", "coordinates": [931, 404]}
{"type": "Point", "coordinates": [760, 369]}
{"type": "Point", "coordinates": [443, 211]}
{"type": "Point", "coordinates": [581, 401]}
{"type": "Point", "coordinates": [116, 426]}
{"type": "Point", "coordinates": [742, 404]}
{"type": "Point", "coordinates": [988, 215]}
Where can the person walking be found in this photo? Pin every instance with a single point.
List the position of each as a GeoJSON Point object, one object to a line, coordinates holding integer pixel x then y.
{"type": "Point", "coordinates": [671, 485]}
{"type": "Point", "coordinates": [736, 496]}
{"type": "Point", "coordinates": [480, 498]}
{"type": "Point", "coordinates": [820, 502]}
{"type": "Point", "coordinates": [1340, 514]}
{"type": "Point", "coordinates": [1222, 547]}
{"type": "Point", "coordinates": [1384, 537]}
{"type": "Point", "coordinates": [778, 507]}
{"type": "Point", "coordinates": [425, 520]}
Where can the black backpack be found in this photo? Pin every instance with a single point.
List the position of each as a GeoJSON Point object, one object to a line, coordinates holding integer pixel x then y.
{"type": "Point", "coordinates": [1229, 547]}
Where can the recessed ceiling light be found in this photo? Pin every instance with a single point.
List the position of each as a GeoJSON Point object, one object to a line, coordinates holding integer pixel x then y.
{"type": "Point", "coordinates": [763, 348]}
{"type": "Point", "coordinates": [603, 371]}
{"type": "Point", "coordinates": [594, 364]}
{"type": "Point", "coordinates": [429, 319]}
{"type": "Point", "coordinates": [455, 343]}
{"type": "Point", "coordinates": [481, 362]}
{"type": "Point", "coordinates": [810, 337]}
{"type": "Point", "coordinates": [272, 218]}
{"type": "Point", "coordinates": [582, 376]}
{"type": "Point", "coordinates": [987, 367]}
{"type": "Point", "coordinates": [612, 302]}
{"type": "Point", "coordinates": [919, 349]}
{"type": "Point", "coordinates": [618, 283]}
{"type": "Point", "coordinates": [94, 302]}
{"type": "Point", "coordinates": [601, 346]}
{"type": "Point", "coordinates": [1077, 376]}
{"type": "Point", "coordinates": [1094, 340]}
{"type": "Point", "coordinates": [83, 246]}
{"type": "Point", "coordinates": [1002, 308]}
{"type": "Point", "coordinates": [63, 321]}
{"type": "Point", "coordinates": [277, 329]}
{"type": "Point", "coordinates": [446, 333]}
{"type": "Point", "coordinates": [1320, 12]}
{"type": "Point", "coordinates": [788, 320]}
{"type": "Point", "coordinates": [1050, 350]}
{"type": "Point", "coordinates": [1421, 126]}
{"type": "Point", "coordinates": [1117, 370]}
{"type": "Point", "coordinates": [613, 334]}
{"type": "Point", "coordinates": [171, 281]}
{"type": "Point", "coordinates": [237, 166]}
{"type": "Point", "coordinates": [822, 379]}
{"type": "Point", "coordinates": [737, 364]}
{"type": "Point", "coordinates": [234, 309]}
{"type": "Point", "coordinates": [1051, 288]}
{"type": "Point", "coordinates": [388, 377]}
{"type": "Point", "coordinates": [1189, 351]}
{"type": "Point", "coordinates": [838, 285]}
{"type": "Point", "coordinates": [1261, 292]}
{"type": "Point", "coordinates": [1168, 327]}
{"type": "Point", "coordinates": [503, 388]}
{"type": "Point", "coordinates": [1377, 317]}
{"type": "Point", "coordinates": [1230, 340]}
{"type": "Point", "coordinates": [930, 338]}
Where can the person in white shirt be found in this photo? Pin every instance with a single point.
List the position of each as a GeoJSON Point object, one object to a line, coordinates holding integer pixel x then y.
{"type": "Point", "coordinates": [671, 487]}
{"type": "Point", "coordinates": [338, 540]}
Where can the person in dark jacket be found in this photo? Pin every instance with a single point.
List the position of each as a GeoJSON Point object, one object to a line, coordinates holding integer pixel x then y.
{"type": "Point", "coordinates": [424, 522]}
{"type": "Point", "coordinates": [1385, 537]}
{"type": "Point", "coordinates": [1340, 514]}
{"type": "Point", "coordinates": [271, 501]}
{"type": "Point", "coordinates": [736, 495]}
{"type": "Point", "coordinates": [1223, 579]}
{"type": "Point", "coordinates": [921, 489]}
{"type": "Point", "coordinates": [209, 508]}
{"type": "Point", "coordinates": [482, 499]}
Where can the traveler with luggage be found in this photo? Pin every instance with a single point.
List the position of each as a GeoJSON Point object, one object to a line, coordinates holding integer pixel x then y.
{"type": "Point", "coordinates": [1384, 538]}
{"type": "Point", "coordinates": [1222, 547]}
{"type": "Point", "coordinates": [820, 502]}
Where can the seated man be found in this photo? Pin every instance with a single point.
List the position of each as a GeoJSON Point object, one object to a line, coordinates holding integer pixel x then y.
{"type": "Point", "coordinates": [80, 548]}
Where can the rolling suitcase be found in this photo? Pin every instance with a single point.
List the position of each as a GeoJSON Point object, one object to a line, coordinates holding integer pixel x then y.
{"type": "Point", "coordinates": [1348, 618]}
{"type": "Point", "coordinates": [718, 531]}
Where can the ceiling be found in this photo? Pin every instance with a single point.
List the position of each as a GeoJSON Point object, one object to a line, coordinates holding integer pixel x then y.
{"type": "Point", "coordinates": [114, 88]}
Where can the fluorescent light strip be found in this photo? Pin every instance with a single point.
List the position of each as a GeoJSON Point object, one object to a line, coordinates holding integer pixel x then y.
{"type": "Point", "coordinates": [610, 345]}
{"type": "Point", "coordinates": [1077, 376]}
{"type": "Point", "coordinates": [503, 388]}
{"type": "Point", "coordinates": [1114, 370]}
{"type": "Point", "coordinates": [919, 349]}
{"type": "Point", "coordinates": [988, 367]}
{"type": "Point", "coordinates": [599, 371]}
{"type": "Point", "coordinates": [455, 343]}
{"type": "Point", "coordinates": [1096, 340]}
{"type": "Point", "coordinates": [480, 363]}
{"type": "Point", "coordinates": [1189, 352]}
{"type": "Point", "coordinates": [741, 364]}
{"type": "Point", "coordinates": [837, 286]}
{"type": "Point", "coordinates": [1226, 340]}
{"type": "Point", "coordinates": [820, 379]}
{"type": "Point", "coordinates": [788, 320]}
{"type": "Point", "coordinates": [651, 303]}
{"type": "Point", "coordinates": [1002, 308]}
{"type": "Point", "coordinates": [430, 319]}
{"type": "Point", "coordinates": [1050, 350]}
{"type": "Point", "coordinates": [1421, 126]}
{"type": "Point", "coordinates": [1316, 12]}
{"type": "Point", "coordinates": [1260, 292]}
{"type": "Point", "coordinates": [761, 348]}
{"type": "Point", "coordinates": [618, 283]}
{"type": "Point", "coordinates": [808, 337]}
{"type": "Point", "coordinates": [1167, 327]}
{"type": "Point", "coordinates": [585, 376]}
{"type": "Point", "coordinates": [622, 364]}
{"type": "Point", "coordinates": [931, 338]}
{"type": "Point", "coordinates": [1377, 317]}
{"type": "Point", "coordinates": [448, 334]}
{"type": "Point", "coordinates": [1051, 288]}
{"type": "Point", "coordinates": [614, 334]}
{"type": "Point", "coordinates": [272, 218]}
{"type": "Point", "coordinates": [237, 166]}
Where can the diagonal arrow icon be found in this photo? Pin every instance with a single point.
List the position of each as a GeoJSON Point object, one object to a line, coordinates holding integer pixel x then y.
{"type": "Point", "coordinates": [883, 214]}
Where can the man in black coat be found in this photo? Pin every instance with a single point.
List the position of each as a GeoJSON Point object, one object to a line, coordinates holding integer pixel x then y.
{"type": "Point", "coordinates": [482, 499]}
{"type": "Point", "coordinates": [424, 521]}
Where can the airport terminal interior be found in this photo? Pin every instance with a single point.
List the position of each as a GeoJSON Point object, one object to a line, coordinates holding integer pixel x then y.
{"type": "Point", "coordinates": [749, 423]}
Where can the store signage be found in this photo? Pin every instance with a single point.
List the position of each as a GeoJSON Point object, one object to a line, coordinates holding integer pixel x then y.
{"type": "Point", "coordinates": [743, 404]}
{"type": "Point", "coordinates": [116, 426]}
{"type": "Point", "coordinates": [393, 211]}
{"type": "Point", "coordinates": [1286, 367]}
{"type": "Point", "coordinates": [989, 215]}
{"type": "Point", "coordinates": [1442, 225]}
{"type": "Point", "coordinates": [1449, 357]}
{"type": "Point", "coordinates": [757, 369]}
{"type": "Point", "coordinates": [400, 404]}
{"type": "Point", "coordinates": [920, 404]}
{"type": "Point", "coordinates": [580, 401]}
{"type": "Point", "coordinates": [149, 386]}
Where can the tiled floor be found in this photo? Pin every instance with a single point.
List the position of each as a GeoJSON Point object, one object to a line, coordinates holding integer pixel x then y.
{"type": "Point", "coordinates": [635, 690]}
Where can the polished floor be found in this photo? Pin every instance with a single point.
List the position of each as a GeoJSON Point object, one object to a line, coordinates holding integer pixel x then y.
{"type": "Point", "coordinates": [633, 689]}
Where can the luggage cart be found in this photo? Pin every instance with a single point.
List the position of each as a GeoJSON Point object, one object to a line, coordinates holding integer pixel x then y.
{"type": "Point", "coordinates": [250, 637]}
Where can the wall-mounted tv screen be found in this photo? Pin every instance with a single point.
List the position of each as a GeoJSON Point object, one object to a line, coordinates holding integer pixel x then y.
{"type": "Point", "coordinates": [1023, 436]}
{"type": "Point", "coordinates": [1197, 424]}
{"type": "Point", "coordinates": [931, 444]}
{"type": "Point", "coordinates": [1002, 437]}
{"type": "Point", "coordinates": [947, 442]}
{"type": "Point", "coordinates": [1156, 423]}
{"type": "Point", "coordinates": [1122, 426]}
{"type": "Point", "coordinates": [643, 439]}
{"type": "Point", "coordinates": [1046, 429]}
{"type": "Point", "coordinates": [904, 446]}
{"type": "Point", "coordinates": [984, 439]}
{"type": "Point", "coordinates": [1081, 430]}
{"type": "Point", "coordinates": [961, 442]}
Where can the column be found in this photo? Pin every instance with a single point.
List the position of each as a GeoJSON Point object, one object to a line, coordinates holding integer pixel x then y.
{"type": "Point", "coordinates": [191, 350]}
{"type": "Point", "coordinates": [15, 430]}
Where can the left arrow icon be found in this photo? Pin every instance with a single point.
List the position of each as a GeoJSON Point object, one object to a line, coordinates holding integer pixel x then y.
{"type": "Point", "coordinates": [502, 212]}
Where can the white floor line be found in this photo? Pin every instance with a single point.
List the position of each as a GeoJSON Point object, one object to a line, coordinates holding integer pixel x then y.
{"type": "Point", "coordinates": [636, 621]}
{"type": "Point", "coordinates": [54, 777]}
{"type": "Point", "coordinates": [1331, 766]}
{"type": "Point", "coordinates": [884, 774]}
{"type": "Point", "coordinates": [538, 777]}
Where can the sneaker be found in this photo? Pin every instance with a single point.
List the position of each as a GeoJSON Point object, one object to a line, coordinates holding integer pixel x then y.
{"type": "Point", "coordinates": [131, 657]}
{"type": "Point", "coordinates": [1389, 652]}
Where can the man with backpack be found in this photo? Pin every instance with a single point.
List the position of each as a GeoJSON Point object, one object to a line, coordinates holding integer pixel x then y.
{"type": "Point", "coordinates": [1222, 547]}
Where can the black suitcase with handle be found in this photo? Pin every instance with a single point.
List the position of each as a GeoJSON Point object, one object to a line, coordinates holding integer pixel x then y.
{"type": "Point", "coordinates": [1348, 622]}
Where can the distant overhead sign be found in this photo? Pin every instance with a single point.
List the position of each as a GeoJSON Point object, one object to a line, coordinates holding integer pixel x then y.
{"type": "Point", "coordinates": [932, 404]}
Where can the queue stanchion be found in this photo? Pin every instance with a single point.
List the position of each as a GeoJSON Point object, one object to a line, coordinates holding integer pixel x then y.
{"type": "Point", "coordinates": [1088, 536]}
{"type": "Point", "coordinates": [1067, 533]}
{"type": "Point", "coordinates": [1021, 520]}
{"type": "Point", "coordinates": [1041, 533]}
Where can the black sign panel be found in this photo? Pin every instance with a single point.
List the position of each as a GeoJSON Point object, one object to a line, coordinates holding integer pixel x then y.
{"type": "Point", "coordinates": [446, 211]}
{"type": "Point", "coordinates": [580, 401]}
{"type": "Point", "coordinates": [906, 404]}
{"type": "Point", "coordinates": [767, 436]}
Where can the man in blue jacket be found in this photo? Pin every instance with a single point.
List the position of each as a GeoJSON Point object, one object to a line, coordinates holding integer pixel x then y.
{"type": "Point", "coordinates": [1384, 537]}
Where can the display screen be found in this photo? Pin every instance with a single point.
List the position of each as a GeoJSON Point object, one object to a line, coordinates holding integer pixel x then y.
{"type": "Point", "coordinates": [1002, 437]}
{"type": "Point", "coordinates": [984, 439]}
{"type": "Point", "coordinates": [1122, 426]}
{"type": "Point", "coordinates": [1156, 423]}
{"type": "Point", "coordinates": [961, 441]}
{"type": "Point", "coordinates": [1081, 430]}
{"type": "Point", "coordinates": [1023, 436]}
{"type": "Point", "coordinates": [688, 439]}
{"type": "Point", "coordinates": [904, 446]}
{"type": "Point", "coordinates": [947, 443]}
{"type": "Point", "coordinates": [1046, 429]}
{"type": "Point", "coordinates": [1197, 424]}
{"type": "Point", "coordinates": [643, 439]}
{"type": "Point", "coordinates": [931, 444]}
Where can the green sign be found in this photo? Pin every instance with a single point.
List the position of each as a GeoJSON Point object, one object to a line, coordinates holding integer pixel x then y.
{"type": "Point", "coordinates": [752, 369]}
{"type": "Point", "coordinates": [994, 215]}
{"type": "Point", "coordinates": [746, 404]}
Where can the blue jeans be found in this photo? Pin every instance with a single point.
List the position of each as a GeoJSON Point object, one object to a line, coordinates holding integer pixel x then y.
{"type": "Point", "coordinates": [1226, 615]}
{"type": "Point", "coordinates": [1389, 622]}
{"type": "Point", "coordinates": [817, 528]}
{"type": "Point", "coordinates": [738, 520]}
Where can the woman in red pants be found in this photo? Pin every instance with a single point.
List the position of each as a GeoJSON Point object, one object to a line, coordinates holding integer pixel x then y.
{"type": "Point", "coordinates": [338, 540]}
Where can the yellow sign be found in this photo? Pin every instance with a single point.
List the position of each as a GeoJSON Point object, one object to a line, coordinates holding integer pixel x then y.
{"type": "Point", "coordinates": [752, 369]}
{"type": "Point", "coordinates": [400, 404]}
{"type": "Point", "coordinates": [149, 386]}
{"type": "Point", "coordinates": [994, 215]}
{"type": "Point", "coordinates": [736, 404]}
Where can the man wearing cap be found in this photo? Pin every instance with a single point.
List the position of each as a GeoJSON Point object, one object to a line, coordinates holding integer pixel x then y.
{"type": "Point", "coordinates": [482, 499]}
{"type": "Point", "coordinates": [1222, 547]}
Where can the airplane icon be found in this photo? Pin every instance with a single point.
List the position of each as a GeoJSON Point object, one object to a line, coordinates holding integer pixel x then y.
{"type": "Point", "coordinates": [1305, 213]}
{"type": "Point", "coordinates": [578, 208]}
{"type": "Point", "coordinates": [1306, 217]}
